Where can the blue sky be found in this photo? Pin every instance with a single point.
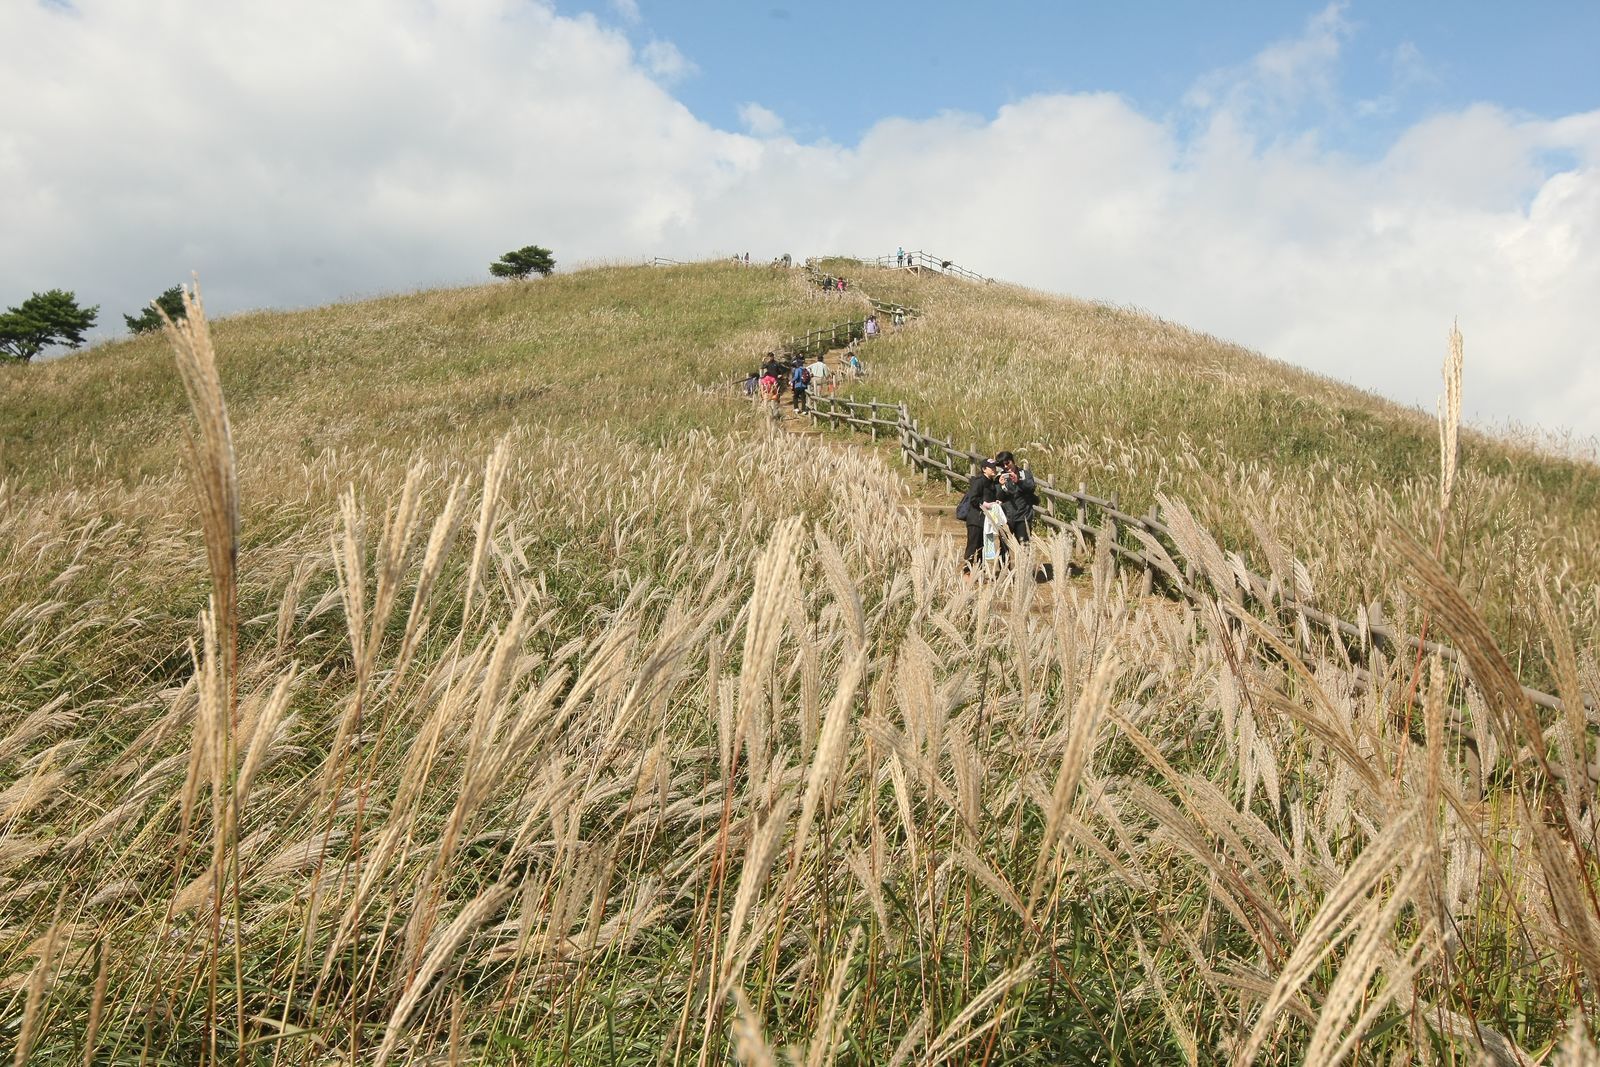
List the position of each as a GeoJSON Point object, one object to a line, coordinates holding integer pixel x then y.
{"type": "Point", "coordinates": [833, 71]}
{"type": "Point", "coordinates": [1331, 184]}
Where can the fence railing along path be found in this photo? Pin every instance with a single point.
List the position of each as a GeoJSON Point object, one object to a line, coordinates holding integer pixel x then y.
{"type": "Point", "coordinates": [1154, 552]}
{"type": "Point", "coordinates": [825, 339]}
{"type": "Point", "coordinates": [1142, 542]}
{"type": "Point", "coordinates": [920, 260]}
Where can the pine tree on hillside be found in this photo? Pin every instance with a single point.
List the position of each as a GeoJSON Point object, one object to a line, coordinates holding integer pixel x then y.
{"type": "Point", "coordinates": [530, 259]}
{"type": "Point", "coordinates": [44, 319]}
{"type": "Point", "coordinates": [170, 301]}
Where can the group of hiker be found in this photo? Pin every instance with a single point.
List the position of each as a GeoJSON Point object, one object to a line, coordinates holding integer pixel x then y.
{"type": "Point", "coordinates": [998, 509]}
{"type": "Point", "coordinates": [999, 504]}
{"type": "Point", "coordinates": [801, 380]}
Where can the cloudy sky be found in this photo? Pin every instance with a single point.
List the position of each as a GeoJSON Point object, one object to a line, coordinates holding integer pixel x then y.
{"type": "Point", "coordinates": [1331, 185]}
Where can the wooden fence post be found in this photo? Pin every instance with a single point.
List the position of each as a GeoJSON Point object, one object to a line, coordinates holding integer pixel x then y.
{"type": "Point", "coordinates": [1116, 523]}
{"type": "Point", "coordinates": [1083, 507]}
{"type": "Point", "coordinates": [1147, 581]}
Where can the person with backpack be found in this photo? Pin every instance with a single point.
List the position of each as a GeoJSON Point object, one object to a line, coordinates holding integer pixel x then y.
{"type": "Point", "coordinates": [799, 383]}
{"type": "Point", "coordinates": [982, 489]}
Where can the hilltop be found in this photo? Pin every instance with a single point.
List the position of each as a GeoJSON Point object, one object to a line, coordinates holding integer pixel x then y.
{"type": "Point", "coordinates": [578, 716]}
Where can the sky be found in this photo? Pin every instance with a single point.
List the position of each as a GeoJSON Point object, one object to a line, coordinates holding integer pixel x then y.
{"type": "Point", "coordinates": [1331, 184]}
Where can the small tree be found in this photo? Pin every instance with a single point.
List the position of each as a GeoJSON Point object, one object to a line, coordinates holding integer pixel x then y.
{"type": "Point", "coordinates": [524, 261]}
{"type": "Point", "coordinates": [170, 301]}
{"type": "Point", "coordinates": [44, 319]}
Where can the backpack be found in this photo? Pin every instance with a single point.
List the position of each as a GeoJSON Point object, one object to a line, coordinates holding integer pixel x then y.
{"type": "Point", "coordinates": [801, 378]}
{"type": "Point", "coordinates": [964, 510]}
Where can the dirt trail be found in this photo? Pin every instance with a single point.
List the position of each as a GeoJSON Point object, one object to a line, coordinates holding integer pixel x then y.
{"type": "Point", "coordinates": [931, 505]}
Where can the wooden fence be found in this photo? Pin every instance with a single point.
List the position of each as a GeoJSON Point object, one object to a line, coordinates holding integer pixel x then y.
{"type": "Point", "coordinates": [1142, 542]}
{"type": "Point", "coordinates": [825, 339]}
{"type": "Point", "coordinates": [821, 341]}
{"type": "Point", "coordinates": [924, 261]}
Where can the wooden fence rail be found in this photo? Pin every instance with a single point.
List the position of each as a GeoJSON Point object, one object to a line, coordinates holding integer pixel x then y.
{"type": "Point", "coordinates": [920, 260]}
{"type": "Point", "coordinates": [1142, 542]}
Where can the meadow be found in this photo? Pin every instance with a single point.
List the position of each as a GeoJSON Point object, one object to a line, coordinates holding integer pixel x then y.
{"type": "Point", "coordinates": [455, 678]}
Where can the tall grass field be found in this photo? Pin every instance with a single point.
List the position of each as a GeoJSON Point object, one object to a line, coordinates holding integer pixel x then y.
{"type": "Point", "coordinates": [470, 677]}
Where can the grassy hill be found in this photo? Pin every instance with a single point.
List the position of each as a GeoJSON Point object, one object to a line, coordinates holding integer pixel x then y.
{"type": "Point", "coordinates": [577, 716]}
{"type": "Point", "coordinates": [1279, 463]}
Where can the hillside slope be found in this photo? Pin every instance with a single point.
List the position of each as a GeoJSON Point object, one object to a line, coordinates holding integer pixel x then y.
{"type": "Point", "coordinates": [1277, 462]}
{"type": "Point", "coordinates": [578, 716]}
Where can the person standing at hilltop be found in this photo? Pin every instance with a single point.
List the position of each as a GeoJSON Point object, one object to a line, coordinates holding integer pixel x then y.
{"type": "Point", "coordinates": [900, 256]}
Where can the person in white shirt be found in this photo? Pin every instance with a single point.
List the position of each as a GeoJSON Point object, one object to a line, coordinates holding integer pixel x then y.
{"type": "Point", "coordinates": [821, 377]}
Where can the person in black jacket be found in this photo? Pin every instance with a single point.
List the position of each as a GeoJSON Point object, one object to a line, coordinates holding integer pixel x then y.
{"type": "Point", "coordinates": [1018, 495]}
{"type": "Point", "coordinates": [776, 368]}
{"type": "Point", "coordinates": [983, 489]}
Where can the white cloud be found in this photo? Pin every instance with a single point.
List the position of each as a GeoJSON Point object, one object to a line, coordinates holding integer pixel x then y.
{"type": "Point", "coordinates": [1284, 77]}
{"type": "Point", "coordinates": [398, 145]}
{"type": "Point", "coordinates": [663, 59]}
{"type": "Point", "coordinates": [760, 121]}
{"type": "Point", "coordinates": [627, 10]}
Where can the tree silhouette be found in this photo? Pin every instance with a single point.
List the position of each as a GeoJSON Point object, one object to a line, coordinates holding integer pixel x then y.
{"type": "Point", "coordinates": [170, 301]}
{"type": "Point", "coordinates": [530, 259]}
{"type": "Point", "coordinates": [44, 319]}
